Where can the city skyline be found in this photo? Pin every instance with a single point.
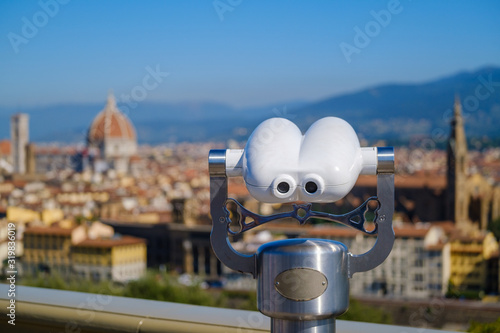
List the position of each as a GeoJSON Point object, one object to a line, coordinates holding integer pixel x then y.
{"type": "Point", "coordinates": [239, 53]}
{"type": "Point", "coordinates": [392, 111]}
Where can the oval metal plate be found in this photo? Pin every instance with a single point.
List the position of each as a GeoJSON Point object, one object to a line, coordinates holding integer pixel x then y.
{"type": "Point", "coordinates": [300, 284]}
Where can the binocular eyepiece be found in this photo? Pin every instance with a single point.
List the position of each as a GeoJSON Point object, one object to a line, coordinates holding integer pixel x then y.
{"type": "Point", "coordinates": [279, 164]}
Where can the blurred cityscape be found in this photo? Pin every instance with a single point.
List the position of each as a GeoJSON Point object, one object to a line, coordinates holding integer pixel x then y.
{"type": "Point", "coordinates": [111, 209]}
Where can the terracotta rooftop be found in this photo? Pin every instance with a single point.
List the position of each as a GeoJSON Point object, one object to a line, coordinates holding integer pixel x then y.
{"type": "Point", "coordinates": [411, 232]}
{"type": "Point", "coordinates": [111, 242]}
{"type": "Point", "coordinates": [447, 226]}
{"type": "Point", "coordinates": [433, 181]}
{"type": "Point", "coordinates": [404, 231]}
{"type": "Point", "coordinates": [466, 237]}
{"type": "Point", "coordinates": [5, 147]}
{"type": "Point", "coordinates": [53, 150]}
{"type": "Point", "coordinates": [435, 247]}
{"type": "Point", "coordinates": [238, 189]}
{"type": "Point", "coordinates": [332, 232]}
{"type": "Point", "coordinates": [19, 183]}
{"type": "Point", "coordinates": [58, 231]}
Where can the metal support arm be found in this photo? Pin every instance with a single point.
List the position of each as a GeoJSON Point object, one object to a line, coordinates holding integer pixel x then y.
{"type": "Point", "coordinates": [385, 236]}
{"type": "Point", "coordinates": [220, 221]}
{"type": "Point", "coordinates": [247, 263]}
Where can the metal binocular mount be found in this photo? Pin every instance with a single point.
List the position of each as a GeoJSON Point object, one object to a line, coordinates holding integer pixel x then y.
{"type": "Point", "coordinates": [302, 284]}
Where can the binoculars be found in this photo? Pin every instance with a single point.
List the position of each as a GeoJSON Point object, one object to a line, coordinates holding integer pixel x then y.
{"type": "Point", "coordinates": [302, 284]}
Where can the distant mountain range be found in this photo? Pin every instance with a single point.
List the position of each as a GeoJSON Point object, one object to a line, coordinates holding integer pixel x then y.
{"type": "Point", "coordinates": [404, 110]}
{"type": "Point", "coordinates": [390, 111]}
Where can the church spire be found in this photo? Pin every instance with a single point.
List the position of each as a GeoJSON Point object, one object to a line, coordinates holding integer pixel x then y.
{"type": "Point", "coordinates": [457, 111]}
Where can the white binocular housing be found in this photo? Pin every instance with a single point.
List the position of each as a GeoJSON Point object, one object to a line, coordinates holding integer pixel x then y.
{"type": "Point", "coordinates": [280, 164]}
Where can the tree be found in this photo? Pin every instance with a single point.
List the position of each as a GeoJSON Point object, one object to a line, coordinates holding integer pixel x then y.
{"type": "Point", "coordinates": [493, 327]}
{"type": "Point", "coordinates": [365, 313]}
{"type": "Point", "coordinates": [494, 227]}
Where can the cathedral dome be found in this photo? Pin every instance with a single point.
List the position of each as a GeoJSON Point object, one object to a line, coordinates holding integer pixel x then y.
{"type": "Point", "coordinates": [110, 123]}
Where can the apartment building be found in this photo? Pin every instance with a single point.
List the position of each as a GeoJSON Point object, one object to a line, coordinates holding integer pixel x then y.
{"type": "Point", "coordinates": [120, 258]}
{"type": "Point", "coordinates": [418, 266]}
{"type": "Point", "coordinates": [472, 263]}
{"type": "Point", "coordinates": [49, 248]}
{"type": "Point", "coordinates": [94, 252]}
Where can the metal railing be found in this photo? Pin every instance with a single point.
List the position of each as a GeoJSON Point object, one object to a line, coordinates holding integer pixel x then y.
{"type": "Point", "coordinates": [50, 310]}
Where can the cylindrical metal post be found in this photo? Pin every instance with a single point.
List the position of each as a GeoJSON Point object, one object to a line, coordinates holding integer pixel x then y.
{"type": "Point", "coordinates": [302, 284]}
{"type": "Point", "coordinates": [303, 326]}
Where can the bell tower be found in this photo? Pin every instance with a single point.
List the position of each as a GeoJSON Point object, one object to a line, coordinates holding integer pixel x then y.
{"type": "Point", "coordinates": [457, 198]}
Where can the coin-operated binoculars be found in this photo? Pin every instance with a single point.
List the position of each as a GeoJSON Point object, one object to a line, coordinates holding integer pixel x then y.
{"type": "Point", "coordinates": [302, 284]}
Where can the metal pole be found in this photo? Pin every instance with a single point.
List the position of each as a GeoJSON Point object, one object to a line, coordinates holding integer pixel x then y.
{"type": "Point", "coordinates": [304, 326]}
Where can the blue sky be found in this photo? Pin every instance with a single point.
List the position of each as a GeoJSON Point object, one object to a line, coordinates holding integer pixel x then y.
{"type": "Point", "coordinates": [242, 52]}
